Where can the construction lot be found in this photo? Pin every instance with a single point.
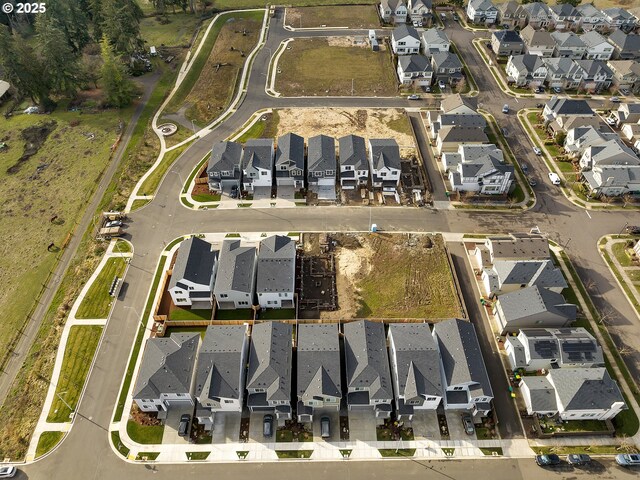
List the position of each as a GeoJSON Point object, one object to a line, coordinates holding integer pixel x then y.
{"type": "Point", "coordinates": [353, 16]}
{"type": "Point", "coordinates": [317, 66]}
{"type": "Point", "coordinates": [386, 276]}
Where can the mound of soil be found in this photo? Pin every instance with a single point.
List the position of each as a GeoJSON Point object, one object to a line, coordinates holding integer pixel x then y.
{"type": "Point", "coordinates": [34, 138]}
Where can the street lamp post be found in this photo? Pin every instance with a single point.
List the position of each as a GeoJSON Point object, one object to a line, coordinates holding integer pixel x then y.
{"type": "Point", "coordinates": [59, 395]}
{"type": "Point", "coordinates": [623, 227]}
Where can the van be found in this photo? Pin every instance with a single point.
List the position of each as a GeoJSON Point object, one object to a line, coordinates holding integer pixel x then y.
{"type": "Point", "coordinates": [325, 427]}
{"type": "Point", "coordinates": [555, 179]}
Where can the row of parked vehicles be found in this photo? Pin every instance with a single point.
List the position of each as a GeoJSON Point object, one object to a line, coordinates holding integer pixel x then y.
{"type": "Point", "coordinates": [267, 426]}
{"type": "Point", "coordinates": [553, 460]}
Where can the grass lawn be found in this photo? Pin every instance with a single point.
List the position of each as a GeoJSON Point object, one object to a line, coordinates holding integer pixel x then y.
{"type": "Point", "coordinates": [207, 197]}
{"type": "Point", "coordinates": [267, 128]}
{"type": "Point", "coordinates": [400, 452]}
{"type": "Point", "coordinates": [240, 314]}
{"type": "Point", "coordinates": [147, 455]}
{"type": "Point", "coordinates": [584, 426]}
{"type": "Point", "coordinates": [197, 455]}
{"type": "Point", "coordinates": [284, 436]}
{"type": "Point", "coordinates": [294, 453]}
{"type": "Point", "coordinates": [372, 72]}
{"type": "Point", "coordinates": [400, 124]}
{"type": "Point", "coordinates": [190, 314]}
{"type": "Point", "coordinates": [278, 314]}
{"type": "Point", "coordinates": [97, 302]}
{"type": "Point", "coordinates": [357, 16]}
{"type": "Point", "coordinates": [588, 449]}
{"type": "Point", "coordinates": [174, 30]}
{"type": "Point", "coordinates": [122, 246]}
{"type": "Point", "coordinates": [78, 356]}
{"type": "Point", "coordinates": [620, 254]}
{"type": "Point", "coordinates": [229, 4]}
{"type": "Point", "coordinates": [208, 89]}
{"type": "Point", "coordinates": [408, 283]}
{"type": "Point", "coordinates": [491, 450]}
{"type": "Point", "coordinates": [137, 204]}
{"type": "Point", "coordinates": [115, 438]}
{"type": "Point", "coordinates": [145, 434]}
{"type": "Point", "coordinates": [47, 441]}
{"type": "Point", "coordinates": [634, 275]}
{"type": "Point", "coordinates": [150, 185]}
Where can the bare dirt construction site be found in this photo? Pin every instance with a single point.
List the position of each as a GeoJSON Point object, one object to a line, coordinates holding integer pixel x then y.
{"type": "Point", "coordinates": [350, 16]}
{"type": "Point", "coordinates": [335, 122]}
{"type": "Point", "coordinates": [395, 276]}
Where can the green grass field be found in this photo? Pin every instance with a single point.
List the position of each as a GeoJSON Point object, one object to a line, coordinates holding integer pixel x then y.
{"type": "Point", "coordinates": [146, 434]}
{"type": "Point", "coordinates": [176, 33]}
{"type": "Point", "coordinates": [78, 357]}
{"type": "Point", "coordinates": [182, 314]}
{"type": "Point", "coordinates": [356, 16]}
{"type": "Point", "coordinates": [619, 250]}
{"type": "Point", "coordinates": [97, 302]}
{"type": "Point", "coordinates": [151, 183]}
{"type": "Point", "coordinates": [231, 4]}
{"type": "Point", "coordinates": [372, 72]}
{"type": "Point", "coordinates": [47, 441]}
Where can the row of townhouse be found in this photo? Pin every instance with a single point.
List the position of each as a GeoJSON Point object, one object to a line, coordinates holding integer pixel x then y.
{"type": "Point", "coordinates": [410, 368]}
{"type": "Point", "coordinates": [234, 276]}
{"type": "Point", "coordinates": [417, 12]}
{"type": "Point", "coordinates": [608, 166]}
{"type": "Point", "coordinates": [518, 272]}
{"type": "Point", "coordinates": [436, 63]}
{"type": "Point", "coordinates": [256, 165]}
{"type": "Point", "coordinates": [562, 16]}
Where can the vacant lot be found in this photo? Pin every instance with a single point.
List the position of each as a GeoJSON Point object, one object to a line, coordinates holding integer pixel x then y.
{"type": "Point", "coordinates": [334, 66]}
{"type": "Point", "coordinates": [229, 4]}
{"type": "Point", "coordinates": [171, 30]}
{"type": "Point", "coordinates": [335, 122]}
{"type": "Point", "coordinates": [357, 16]}
{"type": "Point", "coordinates": [42, 199]}
{"type": "Point", "coordinates": [211, 83]}
{"type": "Point", "coordinates": [394, 276]}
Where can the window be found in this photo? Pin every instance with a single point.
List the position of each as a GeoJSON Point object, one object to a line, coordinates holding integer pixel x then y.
{"type": "Point", "coordinates": [181, 300]}
{"type": "Point", "coordinates": [227, 173]}
{"type": "Point", "coordinates": [347, 168]}
{"type": "Point", "coordinates": [190, 288]}
{"type": "Point", "coordinates": [258, 390]}
{"type": "Point", "coordinates": [330, 173]}
{"type": "Point", "coordinates": [382, 174]}
{"type": "Point", "coordinates": [317, 174]}
{"type": "Point", "coordinates": [223, 295]}
{"type": "Point", "coordinates": [283, 167]}
{"type": "Point", "coordinates": [458, 388]}
{"type": "Point", "coordinates": [402, 43]}
{"type": "Point", "coordinates": [228, 401]}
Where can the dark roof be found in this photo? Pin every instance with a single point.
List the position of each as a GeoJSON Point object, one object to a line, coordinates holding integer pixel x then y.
{"type": "Point", "coordinates": [225, 156]}
{"type": "Point", "coordinates": [508, 36]}
{"type": "Point", "coordinates": [318, 361]}
{"type": "Point", "coordinates": [258, 153]}
{"type": "Point", "coordinates": [353, 152]}
{"type": "Point", "coordinates": [534, 300]}
{"type": "Point", "coordinates": [236, 267]}
{"type": "Point", "coordinates": [290, 151]}
{"type": "Point", "coordinates": [270, 358]}
{"type": "Point", "coordinates": [414, 63]}
{"type": "Point", "coordinates": [321, 153]}
{"type": "Point", "coordinates": [585, 388]}
{"type": "Point", "coordinates": [276, 265]}
{"type": "Point", "coordinates": [404, 31]}
{"type": "Point", "coordinates": [385, 153]}
{"type": "Point", "coordinates": [569, 106]}
{"type": "Point", "coordinates": [627, 42]}
{"type": "Point", "coordinates": [195, 261]}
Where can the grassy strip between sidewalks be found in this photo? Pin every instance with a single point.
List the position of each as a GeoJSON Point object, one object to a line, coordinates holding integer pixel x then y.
{"type": "Point", "coordinates": [97, 301]}
{"type": "Point", "coordinates": [115, 439]}
{"type": "Point", "coordinates": [588, 449]}
{"type": "Point", "coordinates": [147, 456]}
{"type": "Point", "coordinates": [47, 441]}
{"type": "Point", "coordinates": [492, 451]}
{"type": "Point", "coordinates": [197, 455]}
{"type": "Point", "coordinates": [138, 204]}
{"type": "Point", "coordinates": [625, 286]}
{"type": "Point", "coordinates": [194, 172]}
{"type": "Point", "coordinates": [294, 453]}
{"type": "Point", "coordinates": [138, 343]}
{"type": "Point", "coordinates": [397, 452]}
{"type": "Point", "coordinates": [145, 434]}
{"type": "Point", "coordinates": [150, 185]}
{"type": "Point", "coordinates": [122, 246]}
{"type": "Point", "coordinates": [78, 358]}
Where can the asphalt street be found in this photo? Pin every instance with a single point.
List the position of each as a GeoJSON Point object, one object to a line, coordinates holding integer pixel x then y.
{"type": "Point", "coordinates": [85, 453]}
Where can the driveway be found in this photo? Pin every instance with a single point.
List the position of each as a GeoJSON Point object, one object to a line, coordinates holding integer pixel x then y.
{"type": "Point", "coordinates": [226, 427]}
{"type": "Point", "coordinates": [262, 193]}
{"type": "Point", "coordinates": [170, 435]}
{"type": "Point", "coordinates": [456, 429]}
{"type": "Point", "coordinates": [362, 425]}
{"type": "Point", "coordinates": [425, 425]}
{"type": "Point", "coordinates": [334, 423]}
{"type": "Point", "coordinates": [286, 192]}
{"type": "Point", "coordinates": [255, 429]}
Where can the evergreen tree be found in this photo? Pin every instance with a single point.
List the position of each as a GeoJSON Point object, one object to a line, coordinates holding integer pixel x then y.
{"type": "Point", "coordinates": [121, 24]}
{"type": "Point", "coordinates": [71, 19]}
{"type": "Point", "coordinates": [56, 57]}
{"type": "Point", "coordinates": [118, 88]}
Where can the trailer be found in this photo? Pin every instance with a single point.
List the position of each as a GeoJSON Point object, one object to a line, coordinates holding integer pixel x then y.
{"type": "Point", "coordinates": [109, 233]}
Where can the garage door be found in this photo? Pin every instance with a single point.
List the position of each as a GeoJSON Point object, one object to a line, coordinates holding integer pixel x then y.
{"type": "Point", "coordinates": [285, 181]}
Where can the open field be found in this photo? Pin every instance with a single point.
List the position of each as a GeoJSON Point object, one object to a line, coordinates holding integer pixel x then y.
{"type": "Point", "coordinates": [43, 197]}
{"type": "Point", "coordinates": [171, 30]}
{"type": "Point", "coordinates": [335, 122]}
{"type": "Point", "coordinates": [393, 276]}
{"type": "Point", "coordinates": [317, 66]}
{"type": "Point", "coordinates": [78, 356]}
{"type": "Point", "coordinates": [356, 16]}
{"type": "Point", "coordinates": [97, 302]}
{"type": "Point", "coordinates": [602, 4]}
{"type": "Point", "coordinates": [229, 4]}
{"type": "Point", "coordinates": [212, 80]}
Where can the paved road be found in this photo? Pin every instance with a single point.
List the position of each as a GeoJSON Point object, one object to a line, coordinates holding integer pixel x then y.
{"type": "Point", "coordinates": [164, 218]}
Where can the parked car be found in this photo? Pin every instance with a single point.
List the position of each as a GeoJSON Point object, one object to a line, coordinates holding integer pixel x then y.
{"type": "Point", "coordinates": [413, 97]}
{"type": "Point", "coordinates": [427, 89]}
{"type": "Point", "coordinates": [539, 89]}
{"type": "Point", "coordinates": [524, 167]}
{"type": "Point", "coordinates": [455, 17]}
{"type": "Point", "coordinates": [113, 223]}
{"type": "Point", "coordinates": [533, 182]}
{"type": "Point", "coordinates": [441, 85]}
{"type": "Point", "coordinates": [628, 459]}
{"type": "Point", "coordinates": [183, 428]}
{"type": "Point", "coordinates": [550, 460]}
{"type": "Point", "coordinates": [539, 105]}
{"type": "Point", "coordinates": [234, 191]}
{"type": "Point", "coordinates": [325, 427]}
{"type": "Point", "coordinates": [467, 422]}
{"type": "Point", "coordinates": [537, 151]}
{"type": "Point", "coordinates": [8, 472]}
{"type": "Point", "coordinates": [555, 179]}
{"type": "Point", "coordinates": [267, 426]}
{"type": "Point", "coordinates": [578, 459]}
{"type": "Point", "coordinates": [624, 91]}
{"type": "Point", "coordinates": [632, 229]}
{"type": "Point", "coordinates": [557, 90]}
{"type": "Point", "coordinates": [615, 99]}
{"type": "Point", "coordinates": [505, 108]}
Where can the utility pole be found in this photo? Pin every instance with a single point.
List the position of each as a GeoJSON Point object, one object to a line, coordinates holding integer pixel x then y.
{"type": "Point", "coordinates": [352, 82]}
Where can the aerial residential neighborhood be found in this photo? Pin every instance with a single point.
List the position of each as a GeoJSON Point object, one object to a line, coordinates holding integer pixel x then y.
{"type": "Point", "coordinates": [394, 238]}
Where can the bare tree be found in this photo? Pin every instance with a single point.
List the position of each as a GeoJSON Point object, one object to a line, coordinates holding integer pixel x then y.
{"type": "Point", "coordinates": [627, 198]}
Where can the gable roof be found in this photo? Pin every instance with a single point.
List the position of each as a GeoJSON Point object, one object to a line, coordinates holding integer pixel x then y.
{"type": "Point", "coordinates": [404, 31]}
{"type": "Point", "coordinates": [536, 9]}
{"type": "Point", "coordinates": [567, 39]}
{"type": "Point", "coordinates": [220, 362]}
{"type": "Point", "coordinates": [385, 153]}
{"type": "Point", "coordinates": [585, 388]}
{"type": "Point", "coordinates": [414, 64]}
{"type": "Point", "coordinates": [318, 361]}
{"type": "Point", "coordinates": [276, 267]}
{"type": "Point", "coordinates": [458, 104]}
{"type": "Point", "coordinates": [417, 360]}
{"type": "Point", "coordinates": [536, 38]}
{"type": "Point", "coordinates": [225, 156]}
{"type": "Point", "coordinates": [527, 63]}
{"type": "Point", "coordinates": [588, 10]}
{"type": "Point", "coordinates": [290, 151]}
{"type": "Point", "coordinates": [564, 10]}
{"type": "Point", "coordinates": [518, 246]}
{"type": "Point", "coordinates": [617, 13]}
{"type": "Point", "coordinates": [569, 106]}
{"type": "Point", "coordinates": [593, 39]}
{"type": "Point", "coordinates": [434, 36]}
{"type": "Point", "coordinates": [462, 120]}
{"type": "Point", "coordinates": [563, 66]}
{"type": "Point", "coordinates": [508, 36]}
{"type": "Point", "coordinates": [446, 60]}
{"type": "Point", "coordinates": [456, 133]}
{"type": "Point", "coordinates": [195, 261]}
{"type": "Point", "coordinates": [483, 5]}
{"type": "Point", "coordinates": [627, 42]}
{"type": "Point", "coordinates": [462, 360]}
{"type": "Point", "coordinates": [236, 267]}
{"type": "Point", "coordinates": [167, 366]}
{"type": "Point", "coordinates": [270, 358]}
{"type": "Point", "coordinates": [353, 151]}
{"type": "Point", "coordinates": [367, 363]}
{"type": "Point", "coordinates": [534, 300]}
{"type": "Point", "coordinates": [258, 153]}
{"type": "Point", "coordinates": [321, 153]}
{"type": "Point", "coordinates": [541, 393]}
{"type": "Point", "coordinates": [528, 272]}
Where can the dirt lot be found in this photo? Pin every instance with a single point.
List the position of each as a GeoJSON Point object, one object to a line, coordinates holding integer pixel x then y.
{"type": "Point", "coordinates": [356, 16]}
{"type": "Point", "coordinates": [370, 123]}
{"type": "Point", "coordinates": [393, 276]}
{"type": "Point", "coordinates": [316, 66]}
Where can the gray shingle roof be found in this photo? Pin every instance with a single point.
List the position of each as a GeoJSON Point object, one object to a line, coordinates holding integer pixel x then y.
{"type": "Point", "coordinates": [519, 246]}
{"type": "Point", "coordinates": [592, 39]}
{"type": "Point", "coordinates": [276, 265]}
{"type": "Point", "coordinates": [507, 36]}
{"type": "Point", "coordinates": [318, 361]}
{"type": "Point", "coordinates": [527, 63]}
{"type": "Point", "coordinates": [564, 10]}
{"type": "Point", "coordinates": [366, 358]}
{"type": "Point", "coordinates": [569, 106]}
{"type": "Point", "coordinates": [585, 388]}
{"type": "Point", "coordinates": [405, 31]}
{"type": "Point", "coordinates": [258, 152]}
{"type": "Point", "coordinates": [536, 38]}
{"type": "Point", "coordinates": [470, 120]}
{"type": "Point", "coordinates": [290, 151]}
{"type": "Point", "coordinates": [225, 157]}
{"type": "Point", "coordinates": [167, 366]}
{"type": "Point", "coordinates": [321, 153]}
{"type": "Point", "coordinates": [270, 358]}
{"type": "Point", "coordinates": [534, 300]}
{"type": "Point", "coordinates": [457, 134]}
{"type": "Point", "coordinates": [195, 261]}
{"type": "Point", "coordinates": [457, 104]}
{"type": "Point", "coordinates": [417, 360]}
{"type": "Point", "coordinates": [220, 363]}
{"type": "Point", "coordinates": [529, 272]}
{"type": "Point", "coordinates": [385, 153]}
{"type": "Point", "coordinates": [236, 267]}
{"type": "Point", "coordinates": [353, 152]}
{"type": "Point", "coordinates": [462, 359]}
{"type": "Point", "coordinates": [446, 60]}
{"type": "Point", "coordinates": [542, 393]}
{"type": "Point", "coordinates": [434, 36]}
{"type": "Point", "coordinates": [414, 64]}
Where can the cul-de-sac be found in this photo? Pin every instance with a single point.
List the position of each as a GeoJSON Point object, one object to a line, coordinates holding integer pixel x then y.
{"type": "Point", "coordinates": [362, 239]}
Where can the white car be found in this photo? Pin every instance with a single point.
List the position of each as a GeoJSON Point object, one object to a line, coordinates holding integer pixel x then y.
{"type": "Point", "coordinates": [8, 472]}
{"type": "Point", "coordinates": [555, 179]}
{"type": "Point", "coordinates": [537, 151]}
{"type": "Point", "coordinates": [628, 459]}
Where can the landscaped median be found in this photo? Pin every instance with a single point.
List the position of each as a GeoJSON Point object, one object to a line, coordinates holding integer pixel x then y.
{"type": "Point", "coordinates": [47, 442]}
{"type": "Point", "coordinates": [624, 264]}
{"type": "Point", "coordinates": [97, 301]}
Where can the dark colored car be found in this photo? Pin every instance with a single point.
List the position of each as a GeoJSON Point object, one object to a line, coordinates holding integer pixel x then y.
{"type": "Point", "coordinates": [533, 182]}
{"type": "Point", "coordinates": [267, 426]}
{"type": "Point", "coordinates": [550, 460]}
{"type": "Point", "coordinates": [234, 191]}
{"type": "Point", "coordinates": [325, 427]}
{"type": "Point", "coordinates": [578, 459]}
{"type": "Point", "coordinates": [539, 105]}
{"type": "Point", "coordinates": [467, 422]}
{"type": "Point", "coordinates": [632, 229]}
{"type": "Point", "coordinates": [183, 428]}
